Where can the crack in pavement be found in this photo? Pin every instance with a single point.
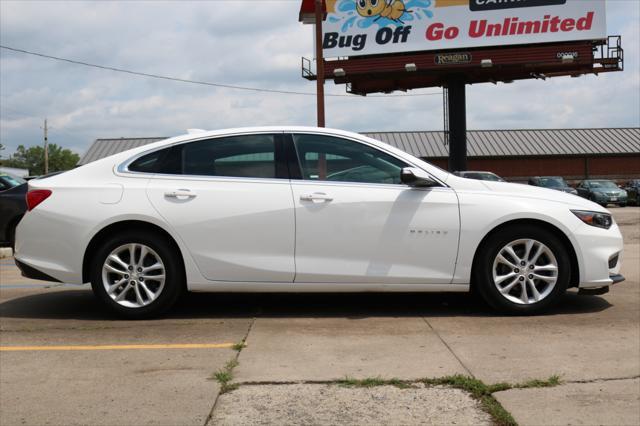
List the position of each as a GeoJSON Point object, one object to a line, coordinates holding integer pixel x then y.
{"type": "Point", "coordinates": [237, 356]}
{"type": "Point", "coordinates": [448, 347]}
{"type": "Point", "coordinates": [606, 379]}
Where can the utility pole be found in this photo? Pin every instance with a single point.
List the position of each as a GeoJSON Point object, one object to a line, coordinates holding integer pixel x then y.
{"type": "Point", "coordinates": [457, 123]}
{"type": "Point", "coordinates": [319, 63]}
{"type": "Point", "coordinates": [46, 148]}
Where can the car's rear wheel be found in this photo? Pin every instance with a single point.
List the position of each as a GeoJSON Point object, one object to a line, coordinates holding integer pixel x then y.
{"type": "Point", "coordinates": [522, 270]}
{"type": "Point", "coordinates": [137, 274]}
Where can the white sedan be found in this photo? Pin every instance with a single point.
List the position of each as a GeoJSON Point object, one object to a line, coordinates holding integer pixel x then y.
{"type": "Point", "coordinates": [296, 209]}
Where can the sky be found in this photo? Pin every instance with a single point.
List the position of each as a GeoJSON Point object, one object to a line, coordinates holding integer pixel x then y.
{"type": "Point", "coordinates": [255, 43]}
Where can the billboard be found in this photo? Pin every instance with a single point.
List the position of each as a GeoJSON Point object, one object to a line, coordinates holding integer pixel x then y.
{"type": "Point", "coordinates": [368, 27]}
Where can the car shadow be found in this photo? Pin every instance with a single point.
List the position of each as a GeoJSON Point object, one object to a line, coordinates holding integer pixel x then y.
{"type": "Point", "coordinates": [82, 305]}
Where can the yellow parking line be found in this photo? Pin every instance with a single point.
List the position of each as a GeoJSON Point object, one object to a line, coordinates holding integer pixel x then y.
{"type": "Point", "coordinates": [116, 347]}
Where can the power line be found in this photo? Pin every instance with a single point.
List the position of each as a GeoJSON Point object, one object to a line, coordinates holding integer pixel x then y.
{"type": "Point", "coordinates": [204, 83]}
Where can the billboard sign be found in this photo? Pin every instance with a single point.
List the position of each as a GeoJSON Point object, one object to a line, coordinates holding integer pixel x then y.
{"type": "Point", "coordinates": [368, 27]}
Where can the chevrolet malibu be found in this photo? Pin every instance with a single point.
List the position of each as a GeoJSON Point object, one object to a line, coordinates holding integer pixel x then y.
{"type": "Point", "coordinates": [306, 210]}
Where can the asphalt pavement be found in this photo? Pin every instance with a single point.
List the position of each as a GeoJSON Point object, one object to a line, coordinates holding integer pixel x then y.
{"type": "Point", "coordinates": [64, 359]}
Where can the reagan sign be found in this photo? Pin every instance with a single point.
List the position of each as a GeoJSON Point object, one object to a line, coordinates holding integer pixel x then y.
{"type": "Point", "coordinates": [365, 27]}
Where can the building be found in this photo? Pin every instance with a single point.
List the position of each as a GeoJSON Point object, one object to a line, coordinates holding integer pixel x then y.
{"type": "Point", "coordinates": [575, 154]}
{"type": "Point", "coordinates": [22, 173]}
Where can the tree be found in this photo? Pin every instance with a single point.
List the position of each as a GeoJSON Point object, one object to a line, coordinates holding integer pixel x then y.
{"type": "Point", "coordinates": [1, 149]}
{"type": "Point", "coordinates": [32, 158]}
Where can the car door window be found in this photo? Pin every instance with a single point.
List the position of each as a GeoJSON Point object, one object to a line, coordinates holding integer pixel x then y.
{"type": "Point", "coordinates": [250, 156]}
{"type": "Point", "coordinates": [327, 158]}
{"type": "Point", "coordinates": [247, 156]}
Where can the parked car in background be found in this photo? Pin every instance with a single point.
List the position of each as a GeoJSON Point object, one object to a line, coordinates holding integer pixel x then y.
{"type": "Point", "coordinates": [603, 192]}
{"type": "Point", "coordinates": [12, 206]}
{"type": "Point", "coordinates": [552, 182]}
{"type": "Point", "coordinates": [298, 209]}
{"type": "Point", "coordinates": [480, 176]}
{"type": "Point", "coordinates": [633, 189]}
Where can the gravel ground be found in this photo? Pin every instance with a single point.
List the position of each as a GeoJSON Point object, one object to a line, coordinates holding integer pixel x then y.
{"type": "Point", "coordinates": [315, 404]}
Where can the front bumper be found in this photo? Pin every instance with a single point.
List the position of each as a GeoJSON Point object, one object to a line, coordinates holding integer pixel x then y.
{"type": "Point", "coordinates": [616, 278]}
{"type": "Point", "coordinates": [599, 253]}
{"type": "Point", "coordinates": [611, 199]}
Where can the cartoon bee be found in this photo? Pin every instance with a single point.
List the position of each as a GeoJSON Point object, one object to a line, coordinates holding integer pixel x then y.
{"type": "Point", "coordinates": [391, 9]}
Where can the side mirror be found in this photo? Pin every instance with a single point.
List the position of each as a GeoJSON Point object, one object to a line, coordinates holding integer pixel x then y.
{"type": "Point", "coordinates": [416, 178]}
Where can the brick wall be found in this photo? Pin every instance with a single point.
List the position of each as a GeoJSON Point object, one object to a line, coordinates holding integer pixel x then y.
{"type": "Point", "coordinates": [619, 168]}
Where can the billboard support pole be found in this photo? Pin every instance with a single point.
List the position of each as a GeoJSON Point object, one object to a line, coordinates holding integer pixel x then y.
{"type": "Point", "coordinates": [319, 64]}
{"type": "Point", "coordinates": [457, 124]}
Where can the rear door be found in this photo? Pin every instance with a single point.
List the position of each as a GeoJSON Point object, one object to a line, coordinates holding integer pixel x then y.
{"type": "Point", "coordinates": [229, 199]}
{"type": "Point", "coordinates": [357, 223]}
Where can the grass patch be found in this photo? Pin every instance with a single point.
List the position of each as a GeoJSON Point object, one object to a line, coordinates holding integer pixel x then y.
{"type": "Point", "coordinates": [371, 382]}
{"type": "Point", "coordinates": [484, 393]}
{"type": "Point", "coordinates": [239, 346]}
{"type": "Point", "coordinates": [224, 376]}
{"type": "Point", "coordinates": [480, 392]}
{"type": "Point", "coordinates": [549, 383]}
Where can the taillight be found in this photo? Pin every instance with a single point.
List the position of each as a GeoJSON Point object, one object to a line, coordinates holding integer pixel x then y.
{"type": "Point", "coordinates": [36, 196]}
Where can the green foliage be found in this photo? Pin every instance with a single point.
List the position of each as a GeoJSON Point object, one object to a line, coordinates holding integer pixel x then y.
{"type": "Point", "coordinates": [481, 392]}
{"type": "Point", "coordinates": [32, 158]}
{"type": "Point", "coordinates": [371, 382]}
{"type": "Point", "coordinates": [1, 149]}
{"type": "Point", "coordinates": [238, 346]}
{"type": "Point", "coordinates": [224, 376]}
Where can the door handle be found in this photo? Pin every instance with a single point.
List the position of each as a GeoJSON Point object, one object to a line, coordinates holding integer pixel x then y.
{"type": "Point", "coordinates": [179, 193]}
{"type": "Point", "coordinates": [316, 196]}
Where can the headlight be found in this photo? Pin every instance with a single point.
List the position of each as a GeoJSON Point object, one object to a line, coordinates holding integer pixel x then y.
{"type": "Point", "coordinates": [599, 220]}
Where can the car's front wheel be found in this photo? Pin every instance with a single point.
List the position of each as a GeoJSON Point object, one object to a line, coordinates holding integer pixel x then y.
{"type": "Point", "coordinates": [137, 274]}
{"type": "Point", "coordinates": [522, 270]}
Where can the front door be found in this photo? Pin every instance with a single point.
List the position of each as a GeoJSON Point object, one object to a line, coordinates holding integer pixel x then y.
{"type": "Point", "coordinates": [357, 223]}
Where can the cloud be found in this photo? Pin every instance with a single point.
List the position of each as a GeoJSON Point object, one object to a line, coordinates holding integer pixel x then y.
{"type": "Point", "coordinates": [252, 43]}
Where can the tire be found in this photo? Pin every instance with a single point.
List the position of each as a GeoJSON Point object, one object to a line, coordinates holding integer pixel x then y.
{"type": "Point", "coordinates": [623, 204]}
{"type": "Point", "coordinates": [512, 278]}
{"type": "Point", "coordinates": [150, 296]}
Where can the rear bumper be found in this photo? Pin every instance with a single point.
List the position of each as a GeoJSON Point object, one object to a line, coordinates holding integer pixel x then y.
{"type": "Point", "coordinates": [31, 272]}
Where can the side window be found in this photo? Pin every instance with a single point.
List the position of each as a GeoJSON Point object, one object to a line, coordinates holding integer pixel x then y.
{"type": "Point", "coordinates": [147, 163]}
{"type": "Point", "coordinates": [340, 160]}
{"type": "Point", "coordinates": [166, 161]}
{"type": "Point", "coordinates": [251, 156]}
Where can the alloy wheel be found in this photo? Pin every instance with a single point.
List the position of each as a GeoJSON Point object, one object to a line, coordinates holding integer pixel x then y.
{"type": "Point", "coordinates": [525, 271]}
{"type": "Point", "coordinates": [133, 275]}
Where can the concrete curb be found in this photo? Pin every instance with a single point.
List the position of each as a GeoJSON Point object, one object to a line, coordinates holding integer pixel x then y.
{"type": "Point", "coordinates": [5, 252]}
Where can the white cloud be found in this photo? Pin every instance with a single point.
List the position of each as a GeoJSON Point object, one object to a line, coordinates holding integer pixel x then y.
{"type": "Point", "coordinates": [252, 43]}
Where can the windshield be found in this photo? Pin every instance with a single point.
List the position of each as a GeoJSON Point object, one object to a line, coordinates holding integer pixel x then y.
{"type": "Point", "coordinates": [553, 182]}
{"type": "Point", "coordinates": [604, 184]}
{"type": "Point", "coordinates": [11, 181]}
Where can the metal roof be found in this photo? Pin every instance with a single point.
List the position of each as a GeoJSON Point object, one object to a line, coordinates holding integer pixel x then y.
{"type": "Point", "coordinates": [480, 143]}
{"type": "Point", "coordinates": [518, 143]}
{"type": "Point", "coordinates": [102, 148]}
